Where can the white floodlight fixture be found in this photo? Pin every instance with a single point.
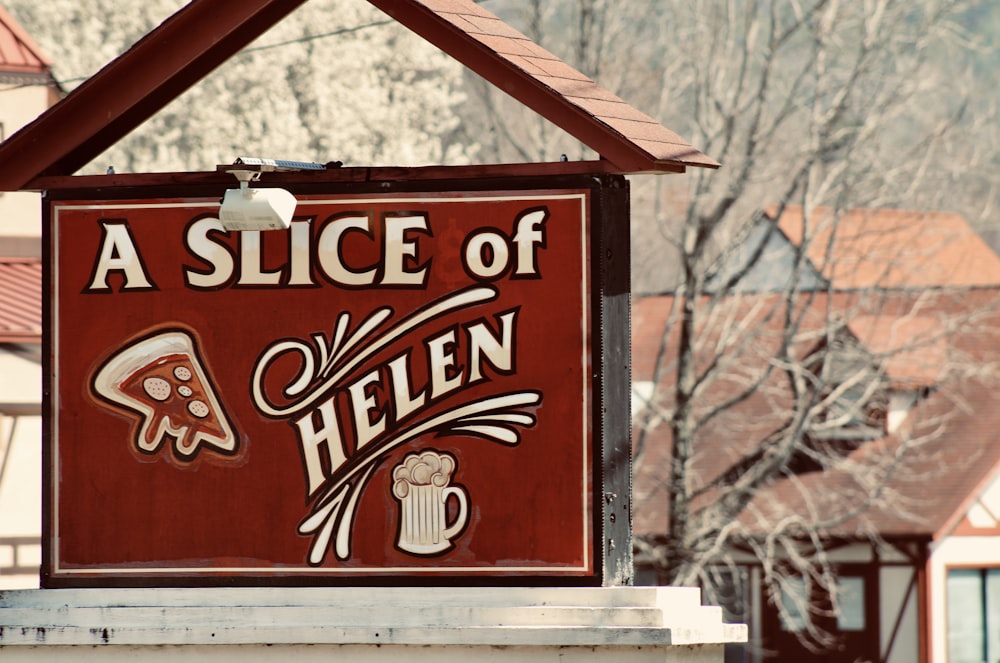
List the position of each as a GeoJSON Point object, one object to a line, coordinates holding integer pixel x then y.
{"type": "Point", "coordinates": [248, 208]}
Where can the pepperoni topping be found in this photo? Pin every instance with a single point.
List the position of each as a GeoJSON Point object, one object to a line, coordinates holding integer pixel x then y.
{"type": "Point", "coordinates": [156, 388]}
{"type": "Point", "coordinates": [198, 409]}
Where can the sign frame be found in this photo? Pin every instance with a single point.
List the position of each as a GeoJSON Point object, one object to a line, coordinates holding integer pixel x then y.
{"type": "Point", "coordinates": [609, 293]}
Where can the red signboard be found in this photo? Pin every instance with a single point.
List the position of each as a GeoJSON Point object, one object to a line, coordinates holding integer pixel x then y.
{"type": "Point", "coordinates": [400, 386]}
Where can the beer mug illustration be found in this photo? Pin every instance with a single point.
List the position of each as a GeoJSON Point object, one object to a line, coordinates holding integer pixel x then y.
{"type": "Point", "coordinates": [421, 484]}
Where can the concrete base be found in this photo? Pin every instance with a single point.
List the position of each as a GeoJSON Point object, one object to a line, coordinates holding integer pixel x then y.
{"type": "Point", "coordinates": [624, 624]}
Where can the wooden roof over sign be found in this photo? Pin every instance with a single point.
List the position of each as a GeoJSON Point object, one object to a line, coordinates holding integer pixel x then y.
{"type": "Point", "coordinates": [204, 34]}
{"type": "Point", "coordinates": [630, 139]}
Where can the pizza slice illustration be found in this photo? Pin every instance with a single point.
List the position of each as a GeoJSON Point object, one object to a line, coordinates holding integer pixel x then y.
{"type": "Point", "coordinates": [163, 379]}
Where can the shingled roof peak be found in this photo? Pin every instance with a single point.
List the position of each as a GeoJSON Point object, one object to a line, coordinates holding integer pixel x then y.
{"type": "Point", "coordinates": [865, 248]}
{"type": "Point", "coordinates": [18, 51]}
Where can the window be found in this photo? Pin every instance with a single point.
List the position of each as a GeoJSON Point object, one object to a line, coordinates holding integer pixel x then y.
{"type": "Point", "coordinates": [851, 600]}
{"type": "Point", "coordinates": [973, 615]}
{"type": "Point", "coordinates": [850, 604]}
{"type": "Point", "coordinates": [794, 601]}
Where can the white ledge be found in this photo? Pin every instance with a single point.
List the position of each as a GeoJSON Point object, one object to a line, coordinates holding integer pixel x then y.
{"type": "Point", "coordinates": [560, 617]}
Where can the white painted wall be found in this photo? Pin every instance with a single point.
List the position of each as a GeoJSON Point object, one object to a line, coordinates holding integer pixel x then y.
{"type": "Point", "coordinates": [20, 211]}
{"type": "Point", "coordinates": [20, 496]}
{"type": "Point", "coordinates": [20, 462]}
{"type": "Point", "coordinates": [985, 511]}
{"type": "Point", "coordinates": [20, 377]}
{"type": "Point", "coordinates": [954, 551]}
{"type": "Point", "coordinates": [858, 553]}
{"type": "Point", "coordinates": [895, 581]}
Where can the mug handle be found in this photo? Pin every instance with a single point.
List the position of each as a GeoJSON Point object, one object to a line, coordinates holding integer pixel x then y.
{"type": "Point", "coordinates": [463, 510]}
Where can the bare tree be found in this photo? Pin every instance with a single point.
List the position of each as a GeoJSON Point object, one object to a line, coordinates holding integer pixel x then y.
{"type": "Point", "coordinates": [877, 104]}
{"type": "Point", "coordinates": [764, 369]}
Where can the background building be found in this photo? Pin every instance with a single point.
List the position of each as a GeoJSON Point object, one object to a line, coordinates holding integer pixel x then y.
{"type": "Point", "coordinates": [878, 536]}
{"type": "Point", "coordinates": [26, 89]}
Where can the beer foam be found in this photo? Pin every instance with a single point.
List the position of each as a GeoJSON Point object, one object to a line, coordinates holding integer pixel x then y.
{"type": "Point", "coordinates": [422, 469]}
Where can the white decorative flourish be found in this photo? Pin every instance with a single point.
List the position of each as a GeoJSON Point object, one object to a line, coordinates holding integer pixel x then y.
{"type": "Point", "coordinates": [332, 515]}
{"type": "Point", "coordinates": [336, 361]}
{"type": "Point", "coordinates": [342, 344]}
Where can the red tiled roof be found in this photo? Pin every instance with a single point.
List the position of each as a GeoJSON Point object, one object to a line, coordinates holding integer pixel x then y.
{"type": "Point", "coordinates": [948, 447]}
{"type": "Point", "coordinates": [20, 300]}
{"type": "Point", "coordinates": [735, 431]}
{"type": "Point", "coordinates": [925, 476]}
{"type": "Point", "coordinates": [18, 51]}
{"type": "Point", "coordinates": [913, 348]}
{"type": "Point", "coordinates": [890, 248]}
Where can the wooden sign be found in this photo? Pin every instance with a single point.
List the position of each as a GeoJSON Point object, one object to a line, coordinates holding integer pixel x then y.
{"type": "Point", "coordinates": [405, 386]}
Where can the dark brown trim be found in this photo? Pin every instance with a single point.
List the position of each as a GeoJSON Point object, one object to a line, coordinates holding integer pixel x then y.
{"type": "Point", "coordinates": [612, 261]}
{"type": "Point", "coordinates": [910, 591]}
{"type": "Point", "coordinates": [331, 175]}
{"type": "Point", "coordinates": [47, 385]}
{"type": "Point", "coordinates": [924, 607]}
